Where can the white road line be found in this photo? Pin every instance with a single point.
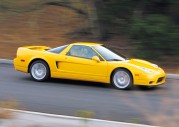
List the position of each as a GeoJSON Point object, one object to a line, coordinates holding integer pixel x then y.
{"type": "Point", "coordinates": [78, 118]}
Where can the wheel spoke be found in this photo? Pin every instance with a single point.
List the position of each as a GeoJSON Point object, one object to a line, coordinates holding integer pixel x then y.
{"type": "Point", "coordinates": [121, 79]}
{"type": "Point", "coordinates": [38, 71]}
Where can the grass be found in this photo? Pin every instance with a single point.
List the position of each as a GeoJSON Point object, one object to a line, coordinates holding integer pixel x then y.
{"type": "Point", "coordinates": [5, 105]}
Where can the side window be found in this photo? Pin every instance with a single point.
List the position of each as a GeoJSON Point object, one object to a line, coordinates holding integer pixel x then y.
{"type": "Point", "coordinates": [58, 49]}
{"type": "Point", "coordinates": [82, 52]}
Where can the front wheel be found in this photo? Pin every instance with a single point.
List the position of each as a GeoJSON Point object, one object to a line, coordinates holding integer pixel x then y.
{"type": "Point", "coordinates": [39, 71]}
{"type": "Point", "coordinates": [122, 79]}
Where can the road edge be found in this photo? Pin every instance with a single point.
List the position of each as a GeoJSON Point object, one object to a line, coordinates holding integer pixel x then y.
{"type": "Point", "coordinates": [79, 118]}
{"type": "Point", "coordinates": [6, 61]}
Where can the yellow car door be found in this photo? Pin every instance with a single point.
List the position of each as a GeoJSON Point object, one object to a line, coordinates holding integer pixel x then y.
{"type": "Point", "coordinates": [78, 64]}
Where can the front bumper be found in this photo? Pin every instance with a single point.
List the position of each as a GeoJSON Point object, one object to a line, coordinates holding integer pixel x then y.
{"type": "Point", "coordinates": [152, 79]}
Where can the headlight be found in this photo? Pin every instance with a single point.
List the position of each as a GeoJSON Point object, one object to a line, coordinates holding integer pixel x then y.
{"type": "Point", "coordinates": [155, 65]}
{"type": "Point", "coordinates": [145, 69]}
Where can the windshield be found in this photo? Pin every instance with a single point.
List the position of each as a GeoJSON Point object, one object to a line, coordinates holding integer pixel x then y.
{"type": "Point", "coordinates": [109, 54]}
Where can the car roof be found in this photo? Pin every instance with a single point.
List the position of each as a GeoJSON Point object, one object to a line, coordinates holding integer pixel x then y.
{"type": "Point", "coordinates": [87, 43]}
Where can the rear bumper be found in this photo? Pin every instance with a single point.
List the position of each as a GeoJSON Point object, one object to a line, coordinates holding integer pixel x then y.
{"type": "Point", "coordinates": [19, 65]}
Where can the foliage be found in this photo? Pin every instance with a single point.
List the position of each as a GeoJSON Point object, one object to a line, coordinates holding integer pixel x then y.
{"type": "Point", "coordinates": [4, 5]}
{"type": "Point", "coordinates": [116, 14]}
{"type": "Point", "coordinates": [152, 23]}
{"type": "Point", "coordinates": [157, 36]}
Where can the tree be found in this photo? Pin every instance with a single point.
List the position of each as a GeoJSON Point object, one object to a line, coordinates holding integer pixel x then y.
{"type": "Point", "coordinates": [93, 17]}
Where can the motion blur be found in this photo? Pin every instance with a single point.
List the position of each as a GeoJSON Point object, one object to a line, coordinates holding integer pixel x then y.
{"type": "Point", "coordinates": [141, 29]}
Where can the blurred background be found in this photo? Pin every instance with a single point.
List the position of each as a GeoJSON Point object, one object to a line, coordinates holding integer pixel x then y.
{"type": "Point", "coordinates": [147, 29]}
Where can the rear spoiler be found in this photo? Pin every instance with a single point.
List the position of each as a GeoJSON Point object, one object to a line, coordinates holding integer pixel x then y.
{"type": "Point", "coordinates": [40, 48]}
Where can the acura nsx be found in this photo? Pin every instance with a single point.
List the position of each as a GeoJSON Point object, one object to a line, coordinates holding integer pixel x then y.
{"type": "Point", "coordinates": [88, 62]}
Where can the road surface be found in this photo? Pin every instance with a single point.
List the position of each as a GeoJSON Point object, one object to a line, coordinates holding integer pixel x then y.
{"type": "Point", "coordinates": [67, 97]}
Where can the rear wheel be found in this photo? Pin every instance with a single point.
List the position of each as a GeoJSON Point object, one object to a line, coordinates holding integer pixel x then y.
{"type": "Point", "coordinates": [122, 79]}
{"type": "Point", "coordinates": [39, 70]}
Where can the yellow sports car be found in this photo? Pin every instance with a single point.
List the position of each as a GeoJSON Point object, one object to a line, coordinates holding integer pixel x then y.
{"type": "Point", "coordinates": [88, 62]}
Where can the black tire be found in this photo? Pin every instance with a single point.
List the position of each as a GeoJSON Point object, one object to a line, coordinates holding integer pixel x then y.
{"type": "Point", "coordinates": [122, 79]}
{"type": "Point", "coordinates": [44, 72]}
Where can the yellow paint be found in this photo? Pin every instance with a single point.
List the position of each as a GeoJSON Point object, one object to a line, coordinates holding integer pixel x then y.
{"type": "Point", "coordinates": [68, 67]}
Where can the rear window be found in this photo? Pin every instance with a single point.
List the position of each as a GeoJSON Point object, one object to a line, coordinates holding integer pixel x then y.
{"type": "Point", "coordinates": [58, 49]}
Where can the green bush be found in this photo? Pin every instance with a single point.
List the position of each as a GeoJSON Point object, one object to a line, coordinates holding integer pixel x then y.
{"type": "Point", "coordinates": [156, 35]}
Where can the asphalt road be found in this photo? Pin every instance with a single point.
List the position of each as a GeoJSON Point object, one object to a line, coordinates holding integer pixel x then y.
{"type": "Point", "coordinates": [67, 97]}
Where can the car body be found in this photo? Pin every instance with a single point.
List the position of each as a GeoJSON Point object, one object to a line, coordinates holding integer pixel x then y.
{"type": "Point", "coordinates": [88, 62]}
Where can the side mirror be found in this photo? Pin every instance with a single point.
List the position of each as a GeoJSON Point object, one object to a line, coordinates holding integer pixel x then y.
{"type": "Point", "coordinates": [95, 58]}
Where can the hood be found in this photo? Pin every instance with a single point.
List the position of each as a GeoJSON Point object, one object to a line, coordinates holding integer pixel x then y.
{"type": "Point", "coordinates": [143, 63]}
